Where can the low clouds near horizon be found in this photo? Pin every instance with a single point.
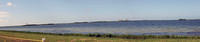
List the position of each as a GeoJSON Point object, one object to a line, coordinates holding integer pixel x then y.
{"type": "Point", "coordinates": [3, 14]}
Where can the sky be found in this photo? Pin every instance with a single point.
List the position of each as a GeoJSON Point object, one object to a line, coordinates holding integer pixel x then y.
{"type": "Point", "coordinates": [19, 12]}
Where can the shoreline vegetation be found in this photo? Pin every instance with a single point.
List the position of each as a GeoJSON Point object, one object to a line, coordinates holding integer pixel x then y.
{"type": "Point", "coordinates": [123, 36]}
{"type": "Point", "coordinates": [95, 37]}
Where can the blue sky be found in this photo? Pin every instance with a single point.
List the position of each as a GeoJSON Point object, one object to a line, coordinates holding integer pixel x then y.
{"type": "Point", "coordinates": [17, 12]}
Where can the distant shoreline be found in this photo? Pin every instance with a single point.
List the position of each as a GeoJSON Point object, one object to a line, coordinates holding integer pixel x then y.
{"type": "Point", "coordinates": [100, 22]}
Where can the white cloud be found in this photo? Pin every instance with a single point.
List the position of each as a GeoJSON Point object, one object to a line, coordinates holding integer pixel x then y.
{"type": "Point", "coordinates": [3, 14]}
{"type": "Point", "coordinates": [9, 4]}
{"type": "Point", "coordinates": [1, 21]}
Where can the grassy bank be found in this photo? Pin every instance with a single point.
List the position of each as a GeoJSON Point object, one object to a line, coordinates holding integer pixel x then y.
{"type": "Point", "coordinates": [57, 37]}
{"type": "Point", "coordinates": [98, 37]}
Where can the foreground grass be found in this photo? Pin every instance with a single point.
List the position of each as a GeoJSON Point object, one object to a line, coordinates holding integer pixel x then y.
{"type": "Point", "coordinates": [70, 38]}
{"type": "Point", "coordinates": [56, 38]}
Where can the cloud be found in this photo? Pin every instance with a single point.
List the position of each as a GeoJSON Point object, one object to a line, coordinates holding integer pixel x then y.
{"type": "Point", "coordinates": [9, 4]}
{"type": "Point", "coordinates": [1, 21]}
{"type": "Point", "coordinates": [3, 14]}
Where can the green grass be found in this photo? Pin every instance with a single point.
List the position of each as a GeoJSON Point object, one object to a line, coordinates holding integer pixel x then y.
{"type": "Point", "coordinates": [68, 38]}
{"type": "Point", "coordinates": [55, 38]}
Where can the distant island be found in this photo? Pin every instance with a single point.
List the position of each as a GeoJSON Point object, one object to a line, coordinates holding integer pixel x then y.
{"type": "Point", "coordinates": [102, 22]}
{"type": "Point", "coordinates": [182, 19]}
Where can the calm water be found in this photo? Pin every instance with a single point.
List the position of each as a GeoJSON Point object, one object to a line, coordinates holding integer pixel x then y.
{"type": "Point", "coordinates": [129, 27]}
